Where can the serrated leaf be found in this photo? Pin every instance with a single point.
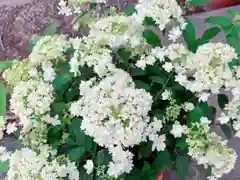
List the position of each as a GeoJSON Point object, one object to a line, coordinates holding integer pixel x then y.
{"type": "Point", "coordinates": [182, 165]}
{"type": "Point", "coordinates": [163, 160]}
{"type": "Point", "coordinates": [222, 100]}
{"type": "Point", "coordinates": [61, 80]}
{"type": "Point", "coordinates": [130, 10]}
{"type": "Point", "coordinates": [50, 30]}
{"type": "Point", "coordinates": [5, 64]}
{"type": "Point", "coordinates": [3, 100]}
{"type": "Point", "coordinates": [226, 130]}
{"type": "Point", "coordinates": [76, 153]}
{"type": "Point", "coordinates": [142, 85]}
{"type": "Point", "coordinates": [193, 3]}
{"type": "Point", "coordinates": [151, 38]}
{"type": "Point", "coordinates": [103, 157]}
{"type": "Point", "coordinates": [4, 166]}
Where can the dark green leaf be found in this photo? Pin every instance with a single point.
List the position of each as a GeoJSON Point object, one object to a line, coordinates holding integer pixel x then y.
{"type": "Point", "coordinates": [222, 100]}
{"type": "Point", "coordinates": [146, 171]}
{"type": "Point", "coordinates": [125, 56]}
{"type": "Point", "coordinates": [3, 100]}
{"type": "Point", "coordinates": [193, 3]}
{"type": "Point", "coordinates": [151, 38]}
{"type": "Point", "coordinates": [195, 115]}
{"type": "Point", "coordinates": [142, 85]}
{"type": "Point", "coordinates": [211, 114]}
{"type": "Point", "coordinates": [4, 166]}
{"type": "Point", "coordinates": [234, 63]}
{"type": "Point", "coordinates": [145, 150]}
{"type": "Point", "coordinates": [33, 43]}
{"type": "Point", "coordinates": [234, 42]}
{"type": "Point", "coordinates": [103, 157]}
{"type": "Point", "coordinates": [84, 175]}
{"type": "Point", "coordinates": [137, 72]}
{"type": "Point", "coordinates": [58, 107]}
{"type": "Point", "coordinates": [157, 79]}
{"type": "Point", "coordinates": [76, 153]}
{"type": "Point", "coordinates": [182, 165]}
{"type": "Point", "coordinates": [5, 64]}
{"type": "Point", "coordinates": [129, 10]}
{"type": "Point", "coordinates": [181, 143]}
{"type": "Point", "coordinates": [135, 174]}
{"type": "Point", "coordinates": [163, 160]}
{"type": "Point", "coordinates": [226, 130]}
{"type": "Point", "coordinates": [148, 21]}
{"type": "Point", "coordinates": [50, 30]}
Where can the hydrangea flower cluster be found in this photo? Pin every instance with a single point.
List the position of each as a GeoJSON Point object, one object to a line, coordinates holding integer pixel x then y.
{"type": "Point", "coordinates": [210, 150]}
{"type": "Point", "coordinates": [116, 104]}
{"type": "Point", "coordinates": [28, 164]}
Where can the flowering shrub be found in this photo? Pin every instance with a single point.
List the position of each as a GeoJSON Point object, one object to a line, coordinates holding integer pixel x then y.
{"type": "Point", "coordinates": [118, 104]}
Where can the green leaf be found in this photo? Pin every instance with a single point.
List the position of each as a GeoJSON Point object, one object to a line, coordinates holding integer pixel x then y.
{"type": "Point", "coordinates": [148, 21]}
{"type": "Point", "coordinates": [182, 165]}
{"type": "Point", "coordinates": [195, 115]}
{"type": "Point", "coordinates": [222, 100]}
{"type": "Point", "coordinates": [130, 10]}
{"type": "Point", "coordinates": [234, 42]}
{"type": "Point", "coordinates": [189, 34]}
{"type": "Point", "coordinates": [137, 72]}
{"type": "Point", "coordinates": [57, 108]}
{"type": "Point", "coordinates": [146, 171]}
{"type": "Point", "coordinates": [76, 153]}
{"type": "Point", "coordinates": [125, 56]}
{"type": "Point", "coordinates": [163, 160]}
{"type": "Point", "coordinates": [222, 21]}
{"type": "Point", "coordinates": [50, 30]}
{"type": "Point", "coordinates": [193, 3]}
{"type": "Point", "coordinates": [33, 43]}
{"type": "Point", "coordinates": [103, 157]}
{"type": "Point", "coordinates": [3, 100]}
{"type": "Point", "coordinates": [145, 150]}
{"type": "Point", "coordinates": [151, 38]}
{"type": "Point", "coordinates": [5, 64]}
{"type": "Point", "coordinates": [142, 85]}
{"type": "Point", "coordinates": [61, 80]}
{"type": "Point", "coordinates": [157, 79]}
{"type": "Point", "coordinates": [234, 63]}
{"type": "Point", "coordinates": [209, 34]}
{"type": "Point", "coordinates": [181, 143]}
{"type": "Point", "coordinates": [232, 12]}
{"type": "Point", "coordinates": [226, 130]}
{"type": "Point", "coordinates": [135, 174]}
{"type": "Point", "coordinates": [84, 175]}
{"type": "Point", "coordinates": [4, 166]}
{"type": "Point", "coordinates": [211, 114]}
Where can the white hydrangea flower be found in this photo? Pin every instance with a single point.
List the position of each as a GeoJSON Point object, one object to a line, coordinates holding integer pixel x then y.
{"type": "Point", "coordinates": [11, 128]}
{"type": "Point", "coordinates": [89, 166]}
{"type": "Point", "coordinates": [208, 68]}
{"type": "Point", "coordinates": [51, 120]}
{"type": "Point", "coordinates": [159, 53]}
{"type": "Point", "coordinates": [223, 119]}
{"type": "Point", "coordinates": [174, 34]}
{"type": "Point", "coordinates": [166, 95]}
{"type": "Point", "coordinates": [122, 161]}
{"type": "Point", "coordinates": [145, 60]}
{"type": "Point", "coordinates": [49, 48]}
{"type": "Point", "coordinates": [117, 31]}
{"type": "Point", "coordinates": [204, 96]}
{"type": "Point", "coordinates": [177, 130]}
{"type": "Point", "coordinates": [26, 164]}
{"type": "Point", "coordinates": [158, 142]}
{"type": "Point", "coordinates": [162, 12]}
{"type": "Point", "coordinates": [31, 98]}
{"type": "Point", "coordinates": [208, 149]}
{"type": "Point", "coordinates": [205, 120]}
{"type": "Point", "coordinates": [187, 106]}
{"type": "Point", "coordinates": [49, 73]}
{"type": "Point", "coordinates": [119, 114]}
{"type": "Point", "coordinates": [167, 66]}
